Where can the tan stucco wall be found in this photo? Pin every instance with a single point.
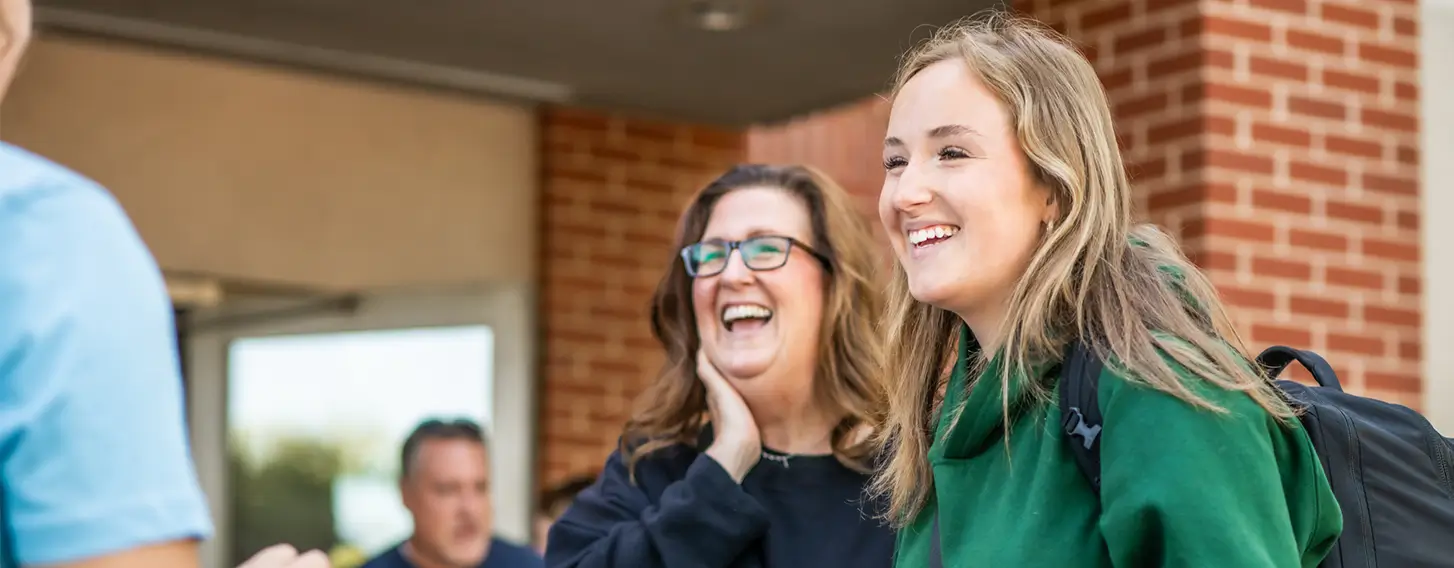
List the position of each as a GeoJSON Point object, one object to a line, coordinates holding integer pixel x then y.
{"type": "Point", "coordinates": [269, 174]}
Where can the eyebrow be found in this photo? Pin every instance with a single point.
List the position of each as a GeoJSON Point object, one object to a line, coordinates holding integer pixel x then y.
{"type": "Point", "coordinates": [754, 232]}
{"type": "Point", "coordinates": [945, 131]}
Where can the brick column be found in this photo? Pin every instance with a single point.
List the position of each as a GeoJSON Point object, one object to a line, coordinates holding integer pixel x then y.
{"type": "Point", "coordinates": [613, 188]}
{"type": "Point", "coordinates": [1279, 139]}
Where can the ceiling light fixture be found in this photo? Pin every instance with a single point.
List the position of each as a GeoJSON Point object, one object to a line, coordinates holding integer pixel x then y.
{"type": "Point", "coordinates": [718, 15]}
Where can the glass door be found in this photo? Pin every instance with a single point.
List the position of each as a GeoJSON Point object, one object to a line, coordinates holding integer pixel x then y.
{"type": "Point", "coordinates": [314, 408]}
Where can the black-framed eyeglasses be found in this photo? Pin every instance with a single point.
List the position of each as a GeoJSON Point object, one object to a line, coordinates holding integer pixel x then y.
{"type": "Point", "coordinates": [768, 252]}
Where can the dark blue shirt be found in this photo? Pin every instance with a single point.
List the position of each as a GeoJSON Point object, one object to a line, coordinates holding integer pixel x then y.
{"type": "Point", "coordinates": [502, 555]}
{"type": "Point", "coordinates": [685, 510]}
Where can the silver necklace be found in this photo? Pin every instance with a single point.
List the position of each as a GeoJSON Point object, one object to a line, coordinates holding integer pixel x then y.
{"type": "Point", "coordinates": [778, 458]}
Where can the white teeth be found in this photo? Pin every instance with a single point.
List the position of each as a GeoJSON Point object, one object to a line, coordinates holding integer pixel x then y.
{"type": "Point", "coordinates": [745, 311]}
{"type": "Point", "coordinates": [919, 236]}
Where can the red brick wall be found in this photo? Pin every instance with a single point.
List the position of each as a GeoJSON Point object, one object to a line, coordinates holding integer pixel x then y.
{"type": "Point", "coordinates": [1277, 138]}
{"type": "Point", "coordinates": [613, 188]}
{"type": "Point", "coordinates": [846, 141]}
{"type": "Point", "coordinates": [1280, 139]}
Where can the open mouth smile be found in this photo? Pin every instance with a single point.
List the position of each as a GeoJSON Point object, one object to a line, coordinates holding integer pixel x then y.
{"type": "Point", "coordinates": [932, 235]}
{"type": "Point", "coordinates": [733, 314]}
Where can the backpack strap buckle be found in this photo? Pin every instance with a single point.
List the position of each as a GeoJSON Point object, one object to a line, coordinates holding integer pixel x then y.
{"type": "Point", "coordinates": [1075, 425]}
{"type": "Point", "coordinates": [1080, 410]}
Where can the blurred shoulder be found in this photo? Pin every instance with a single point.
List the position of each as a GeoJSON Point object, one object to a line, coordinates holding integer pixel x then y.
{"type": "Point", "coordinates": [26, 175]}
{"type": "Point", "coordinates": [47, 205]}
{"type": "Point", "coordinates": [391, 558]}
{"type": "Point", "coordinates": [506, 554]}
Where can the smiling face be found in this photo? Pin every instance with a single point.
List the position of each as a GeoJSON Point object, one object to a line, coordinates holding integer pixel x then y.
{"type": "Point", "coordinates": [760, 323]}
{"type": "Point", "coordinates": [959, 203]}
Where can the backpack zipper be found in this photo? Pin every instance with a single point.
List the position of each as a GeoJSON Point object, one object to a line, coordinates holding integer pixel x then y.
{"type": "Point", "coordinates": [1355, 458]}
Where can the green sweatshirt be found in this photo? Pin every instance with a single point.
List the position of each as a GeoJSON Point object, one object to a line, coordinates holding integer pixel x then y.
{"type": "Point", "coordinates": [1180, 486]}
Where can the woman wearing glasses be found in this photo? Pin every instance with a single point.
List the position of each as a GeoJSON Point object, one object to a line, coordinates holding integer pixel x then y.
{"type": "Point", "coordinates": [751, 448]}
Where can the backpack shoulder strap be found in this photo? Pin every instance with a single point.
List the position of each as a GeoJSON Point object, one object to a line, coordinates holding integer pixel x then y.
{"type": "Point", "coordinates": [1080, 410]}
{"type": "Point", "coordinates": [936, 555]}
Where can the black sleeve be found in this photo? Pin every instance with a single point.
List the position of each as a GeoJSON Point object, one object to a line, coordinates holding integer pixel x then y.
{"type": "Point", "coordinates": [703, 520]}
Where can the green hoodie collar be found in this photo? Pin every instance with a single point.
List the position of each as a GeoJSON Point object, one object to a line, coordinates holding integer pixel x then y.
{"type": "Point", "coordinates": [982, 422]}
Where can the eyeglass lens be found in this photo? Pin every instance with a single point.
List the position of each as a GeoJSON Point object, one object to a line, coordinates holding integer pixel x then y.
{"type": "Point", "coordinates": [758, 253]}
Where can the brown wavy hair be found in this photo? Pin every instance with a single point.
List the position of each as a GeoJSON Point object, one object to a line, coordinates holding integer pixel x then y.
{"type": "Point", "coordinates": [848, 375]}
{"type": "Point", "coordinates": [1126, 290]}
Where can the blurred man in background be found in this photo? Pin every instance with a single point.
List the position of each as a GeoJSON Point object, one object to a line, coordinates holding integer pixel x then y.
{"type": "Point", "coordinates": [94, 459]}
{"type": "Point", "coordinates": [445, 483]}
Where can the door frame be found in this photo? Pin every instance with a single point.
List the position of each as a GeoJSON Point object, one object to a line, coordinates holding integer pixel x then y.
{"type": "Point", "coordinates": [508, 310]}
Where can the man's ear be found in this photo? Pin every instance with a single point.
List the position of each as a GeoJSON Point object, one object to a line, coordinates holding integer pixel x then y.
{"type": "Point", "coordinates": [405, 496]}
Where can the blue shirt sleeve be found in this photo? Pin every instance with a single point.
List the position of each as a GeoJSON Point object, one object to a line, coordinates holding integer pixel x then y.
{"type": "Point", "coordinates": [94, 455]}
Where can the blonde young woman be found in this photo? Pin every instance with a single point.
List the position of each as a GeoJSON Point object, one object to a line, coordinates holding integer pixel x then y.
{"type": "Point", "coordinates": [1009, 212]}
{"type": "Point", "coordinates": [750, 448]}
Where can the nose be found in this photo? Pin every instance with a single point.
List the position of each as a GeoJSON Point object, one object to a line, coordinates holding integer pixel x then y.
{"type": "Point", "coordinates": [472, 506]}
{"type": "Point", "coordinates": [912, 191]}
{"type": "Point", "coordinates": [736, 273]}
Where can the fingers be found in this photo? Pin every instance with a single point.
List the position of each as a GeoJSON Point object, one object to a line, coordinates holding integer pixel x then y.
{"type": "Point", "coordinates": [275, 555]}
{"type": "Point", "coordinates": [311, 559]}
{"type": "Point", "coordinates": [285, 556]}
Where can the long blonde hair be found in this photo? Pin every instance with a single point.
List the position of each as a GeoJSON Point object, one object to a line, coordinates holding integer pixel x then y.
{"type": "Point", "coordinates": [1126, 291]}
{"type": "Point", "coordinates": [849, 373]}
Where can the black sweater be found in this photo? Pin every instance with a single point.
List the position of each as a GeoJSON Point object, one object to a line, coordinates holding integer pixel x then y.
{"type": "Point", "coordinates": [684, 511]}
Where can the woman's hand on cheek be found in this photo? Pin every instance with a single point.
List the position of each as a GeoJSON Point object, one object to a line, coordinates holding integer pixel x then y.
{"type": "Point", "coordinates": [736, 443]}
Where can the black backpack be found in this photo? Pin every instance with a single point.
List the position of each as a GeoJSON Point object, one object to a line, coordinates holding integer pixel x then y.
{"type": "Point", "coordinates": [1390, 470]}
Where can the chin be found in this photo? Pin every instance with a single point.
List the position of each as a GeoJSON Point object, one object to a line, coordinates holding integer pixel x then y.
{"type": "Point", "coordinates": [471, 555]}
{"type": "Point", "coordinates": [934, 290]}
{"type": "Point", "coordinates": [743, 364]}
{"type": "Point", "coordinates": [744, 351]}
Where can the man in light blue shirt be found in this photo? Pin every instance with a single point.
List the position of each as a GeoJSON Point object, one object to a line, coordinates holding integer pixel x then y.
{"type": "Point", "coordinates": [95, 470]}
{"type": "Point", "coordinates": [93, 444]}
